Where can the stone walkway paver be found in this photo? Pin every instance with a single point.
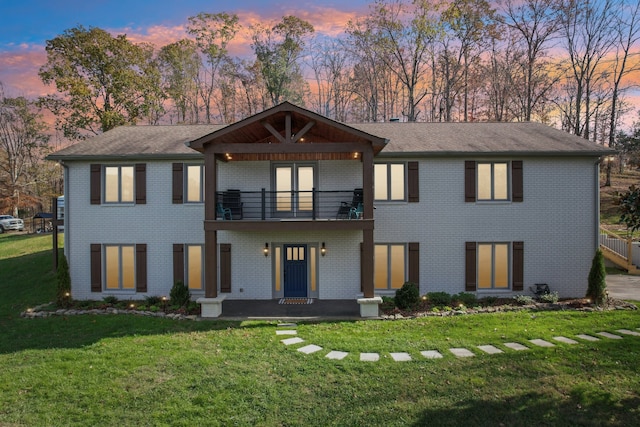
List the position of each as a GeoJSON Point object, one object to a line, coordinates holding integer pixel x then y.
{"type": "Point", "coordinates": [336, 355]}
{"type": "Point", "coordinates": [401, 357]}
{"type": "Point", "coordinates": [308, 349]}
{"type": "Point", "coordinates": [515, 346]}
{"type": "Point", "coordinates": [369, 357]}
{"type": "Point", "coordinates": [461, 352]}
{"type": "Point", "coordinates": [609, 335]}
{"type": "Point", "coordinates": [431, 354]}
{"type": "Point", "coordinates": [587, 337]}
{"type": "Point", "coordinates": [628, 332]}
{"type": "Point", "coordinates": [434, 354]}
{"type": "Point", "coordinates": [542, 343]}
{"type": "Point", "coordinates": [565, 340]}
{"type": "Point", "coordinates": [490, 349]}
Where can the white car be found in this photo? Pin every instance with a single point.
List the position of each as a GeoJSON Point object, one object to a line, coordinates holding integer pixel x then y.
{"type": "Point", "coordinates": [7, 222]}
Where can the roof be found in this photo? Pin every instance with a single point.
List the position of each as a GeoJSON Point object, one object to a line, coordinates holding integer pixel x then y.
{"type": "Point", "coordinates": [133, 142]}
{"type": "Point", "coordinates": [480, 138]}
{"type": "Point", "coordinates": [424, 139]}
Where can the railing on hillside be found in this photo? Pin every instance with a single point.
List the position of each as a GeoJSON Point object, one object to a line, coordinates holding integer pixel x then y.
{"type": "Point", "coordinates": [618, 250]}
{"type": "Point", "coordinates": [277, 205]}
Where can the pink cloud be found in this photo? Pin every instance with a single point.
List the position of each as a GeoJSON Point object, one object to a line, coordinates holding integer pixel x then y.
{"type": "Point", "coordinates": [20, 71]}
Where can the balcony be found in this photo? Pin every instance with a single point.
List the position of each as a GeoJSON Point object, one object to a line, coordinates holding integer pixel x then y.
{"type": "Point", "coordinates": [289, 210]}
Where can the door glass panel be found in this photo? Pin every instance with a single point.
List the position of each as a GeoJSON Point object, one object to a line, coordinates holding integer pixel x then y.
{"type": "Point", "coordinates": [283, 187]}
{"type": "Point", "coordinates": [305, 188]}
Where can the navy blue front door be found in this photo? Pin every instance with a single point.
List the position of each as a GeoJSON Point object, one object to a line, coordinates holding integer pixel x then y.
{"type": "Point", "coordinates": [295, 271]}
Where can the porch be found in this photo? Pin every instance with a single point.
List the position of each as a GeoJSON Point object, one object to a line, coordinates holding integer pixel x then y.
{"type": "Point", "coordinates": [271, 309]}
{"type": "Point", "coordinates": [625, 253]}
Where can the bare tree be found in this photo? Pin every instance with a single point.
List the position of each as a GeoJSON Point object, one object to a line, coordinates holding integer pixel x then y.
{"type": "Point", "coordinates": [537, 22]}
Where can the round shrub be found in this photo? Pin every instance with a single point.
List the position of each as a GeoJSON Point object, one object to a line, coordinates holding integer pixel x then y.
{"type": "Point", "coordinates": [407, 296]}
{"type": "Point", "coordinates": [439, 298]}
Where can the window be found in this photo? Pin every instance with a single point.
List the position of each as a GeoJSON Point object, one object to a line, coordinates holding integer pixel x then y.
{"type": "Point", "coordinates": [493, 265]}
{"type": "Point", "coordinates": [118, 184]}
{"type": "Point", "coordinates": [194, 183]}
{"type": "Point", "coordinates": [120, 269]}
{"type": "Point", "coordinates": [194, 272]}
{"type": "Point", "coordinates": [493, 181]}
{"type": "Point", "coordinates": [389, 266]}
{"type": "Point", "coordinates": [389, 181]}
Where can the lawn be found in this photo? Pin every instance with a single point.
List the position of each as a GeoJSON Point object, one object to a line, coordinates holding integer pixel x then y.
{"type": "Point", "coordinates": [127, 370]}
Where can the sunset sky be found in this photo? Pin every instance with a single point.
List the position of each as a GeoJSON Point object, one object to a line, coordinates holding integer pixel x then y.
{"type": "Point", "coordinates": [26, 25]}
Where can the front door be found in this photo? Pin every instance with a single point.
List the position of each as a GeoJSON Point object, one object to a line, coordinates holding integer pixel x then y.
{"type": "Point", "coordinates": [295, 271]}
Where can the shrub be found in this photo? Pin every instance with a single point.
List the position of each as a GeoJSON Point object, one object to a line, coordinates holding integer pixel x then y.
{"type": "Point", "coordinates": [179, 294]}
{"type": "Point", "coordinates": [597, 275]}
{"type": "Point", "coordinates": [152, 300]}
{"type": "Point", "coordinates": [523, 299]}
{"type": "Point", "coordinates": [110, 299]}
{"type": "Point", "coordinates": [551, 297]}
{"type": "Point", "coordinates": [63, 286]}
{"type": "Point", "coordinates": [439, 298]}
{"type": "Point", "coordinates": [465, 298]}
{"type": "Point", "coordinates": [407, 296]}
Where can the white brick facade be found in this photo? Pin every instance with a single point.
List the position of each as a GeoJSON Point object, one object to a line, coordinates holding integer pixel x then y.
{"type": "Point", "coordinates": [557, 221]}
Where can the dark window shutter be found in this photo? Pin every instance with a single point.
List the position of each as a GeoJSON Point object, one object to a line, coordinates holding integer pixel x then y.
{"type": "Point", "coordinates": [518, 266]}
{"type": "Point", "coordinates": [96, 267]}
{"type": "Point", "coordinates": [516, 181]}
{"type": "Point", "coordinates": [225, 267]}
{"type": "Point", "coordinates": [178, 184]}
{"type": "Point", "coordinates": [178, 263]}
{"type": "Point", "coordinates": [141, 183]}
{"type": "Point", "coordinates": [141, 268]}
{"type": "Point", "coordinates": [469, 181]}
{"type": "Point", "coordinates": [470, 267]}
{"type": "Point", "coordinates": [413, 182]}
{"type": "Point", "coordinates": [94, 184]}
{"type": "Point", "coordinates": [414, 262]}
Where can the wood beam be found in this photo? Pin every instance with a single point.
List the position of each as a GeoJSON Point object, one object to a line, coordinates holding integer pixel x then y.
{"type": "Point", "coordinates": [210, 235]}
{"type": "Point", "coordinates": [274, 132]}
{"type": "Point", "coordinates": [287, 128]}
{"type": "Point", "coordinates": [319, 147]}
{"type": "Point", "coordinates": [304, 130]}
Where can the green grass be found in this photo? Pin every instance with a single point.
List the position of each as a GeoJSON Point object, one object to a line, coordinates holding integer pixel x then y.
{"type": "Point", "coordinates": [126, 370]}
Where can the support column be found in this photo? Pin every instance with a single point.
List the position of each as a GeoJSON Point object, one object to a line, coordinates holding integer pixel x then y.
{"type": "Point", "coordinates": [210, 236]}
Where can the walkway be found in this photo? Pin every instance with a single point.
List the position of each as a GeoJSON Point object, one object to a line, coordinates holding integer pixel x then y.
{"type": "Point", "coordinates": [289, 332]}
{"type": "Point", "coordinates": [622, 286]}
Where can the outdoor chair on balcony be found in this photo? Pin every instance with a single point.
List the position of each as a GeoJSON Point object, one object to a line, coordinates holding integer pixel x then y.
{"type": "Point", "coordinates": [346, 208]}
{"type": "Point", "coordinates": [356, 213]}
{"type": "Point", "coordinates": [224, 213]}
{"type": "Point", "coordinates": [231, 200]}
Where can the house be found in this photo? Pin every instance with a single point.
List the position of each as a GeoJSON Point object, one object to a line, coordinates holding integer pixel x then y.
{"type": "Point", "coordinates": [288, 203]}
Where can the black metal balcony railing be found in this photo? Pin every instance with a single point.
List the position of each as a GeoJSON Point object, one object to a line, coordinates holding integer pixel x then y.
{"type": "Point", "coordinates": [274, 205]}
